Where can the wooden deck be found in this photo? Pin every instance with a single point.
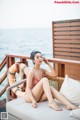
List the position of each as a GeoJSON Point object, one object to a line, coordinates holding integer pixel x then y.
{"type": "Point", "coordinates": [3, 105]}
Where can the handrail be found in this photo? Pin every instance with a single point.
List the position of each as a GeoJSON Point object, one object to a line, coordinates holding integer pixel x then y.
{"type": "Point", "coordinates": [3, 90]}
{"type": "Point", "coordinates": [64, 61]}
{"type": "Point", "coordinates": [12, 86]}
{"type": "Point", "coordinates": [55, 60]}
{"type": "Point", "coordinates": [3, 63]}
{"type": "Point", "coordinates": [18, 56]}
{"type": "Point", "coordinates": [10, 59]}
{"type": "Point", "coordinates": [4, 76]}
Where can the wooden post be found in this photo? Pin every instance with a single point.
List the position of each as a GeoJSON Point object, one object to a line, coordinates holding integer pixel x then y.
{"type": "Point", "coordinates": [25, 62]}
{"type": "Point", "coordinates": [10, 61]}
{"type": "Point", "coordinates": [61, 70]}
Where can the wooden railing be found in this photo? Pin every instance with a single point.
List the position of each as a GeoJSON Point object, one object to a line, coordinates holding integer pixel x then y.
{"type": "Point", "coordinates": [4, 62]}
{"type": "Point", "coordinates": [8, 61]}
{"type": "Point", "coordinates": [11, 59]}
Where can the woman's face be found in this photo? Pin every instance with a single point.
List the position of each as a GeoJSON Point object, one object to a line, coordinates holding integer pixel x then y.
{"type": "Point", "coordinates": [38, 58]}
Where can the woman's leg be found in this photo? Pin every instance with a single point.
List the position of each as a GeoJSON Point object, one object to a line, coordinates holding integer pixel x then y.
{"type": "Point", "coordinates": [61, 98]}
{"type": "Point", "coordinates": [43, 87]}
{"type": "Point", "coordinates": [43, 98]}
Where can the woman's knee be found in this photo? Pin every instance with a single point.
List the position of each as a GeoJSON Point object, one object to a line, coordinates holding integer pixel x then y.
{"type": "Point", "coordinates": [52, 88]}
{"type": "Point", "coordinates": [45, 79]}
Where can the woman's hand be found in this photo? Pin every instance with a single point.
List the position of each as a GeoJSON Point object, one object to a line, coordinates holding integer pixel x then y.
{"type": "Point", "coordinates": [34, 104]}
{"type": "Point", "coordinates": [46, 61]}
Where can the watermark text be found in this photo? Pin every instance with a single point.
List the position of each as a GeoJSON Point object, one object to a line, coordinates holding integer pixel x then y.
{"type": "Point", "coordinates": [66, 2]}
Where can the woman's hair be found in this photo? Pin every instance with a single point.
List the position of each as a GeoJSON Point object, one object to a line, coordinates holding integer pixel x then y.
{"type": "Point", "coordinates": [32, 55]}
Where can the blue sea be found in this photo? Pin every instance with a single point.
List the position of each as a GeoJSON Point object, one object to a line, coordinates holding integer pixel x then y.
{"type": "Point", "coordinates": [23, 42]}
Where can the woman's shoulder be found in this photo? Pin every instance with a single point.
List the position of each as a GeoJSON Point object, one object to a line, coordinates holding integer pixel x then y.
{"type": "Point", "coordinates": [31, 70]}
{"type": "Point", "coordinates": [43, 70]}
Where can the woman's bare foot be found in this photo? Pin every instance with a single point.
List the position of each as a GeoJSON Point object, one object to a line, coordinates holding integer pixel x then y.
{"type": "Point", "coordinates": [71, 107]}
{"type": "Point", "coordinates": [54, 106]}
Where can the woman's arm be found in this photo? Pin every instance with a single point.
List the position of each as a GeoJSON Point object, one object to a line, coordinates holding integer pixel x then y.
{"type": "Point", "coordinates": [28, 88]}
{"type": "Point", "coordinates": [52, 72]}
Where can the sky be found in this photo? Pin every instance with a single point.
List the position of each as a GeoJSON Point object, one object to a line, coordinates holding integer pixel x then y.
{"type": "Point", "coordinates": [35, 13]}
{"type": "Point", "coordinates": [25, 13]}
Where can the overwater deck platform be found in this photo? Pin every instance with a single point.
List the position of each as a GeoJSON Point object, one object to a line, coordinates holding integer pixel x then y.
{"type": "Point", "coordinates": [3, 105]}
{"type": "Point", "coordinates": [66, 54]}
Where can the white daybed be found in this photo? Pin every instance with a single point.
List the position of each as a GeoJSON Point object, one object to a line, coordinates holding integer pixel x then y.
{"type": "Point", "coordinates": [18, 109]}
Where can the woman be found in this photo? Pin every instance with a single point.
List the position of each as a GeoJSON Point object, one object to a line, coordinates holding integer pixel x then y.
{"type": "Point", "coordinates": [38, 88]}
{"type": "Point", "coordinates": [20, 68]}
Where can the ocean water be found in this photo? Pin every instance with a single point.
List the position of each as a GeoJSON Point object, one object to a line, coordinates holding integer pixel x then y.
{"type": "Point", "coordinates": [23, 42]}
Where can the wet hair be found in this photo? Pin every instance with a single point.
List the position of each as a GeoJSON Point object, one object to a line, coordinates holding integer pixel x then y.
{"type": "Point", "coordinates": [32, 55]}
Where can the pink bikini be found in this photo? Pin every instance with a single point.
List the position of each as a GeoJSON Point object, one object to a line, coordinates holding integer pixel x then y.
{"type": "Point", "coordinates": [35, 80]}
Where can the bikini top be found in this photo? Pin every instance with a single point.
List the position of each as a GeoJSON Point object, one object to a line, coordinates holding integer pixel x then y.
{"type": "Point", "coordinates": [35, 80]}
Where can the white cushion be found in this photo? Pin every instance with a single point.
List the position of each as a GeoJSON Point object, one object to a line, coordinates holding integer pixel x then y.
{"type": "Point", "coordinates": [24, 111]}
{"type": "Point", "coordinates": [71, 90]}
{"type": "Point", "coordinates": [75, 113]}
